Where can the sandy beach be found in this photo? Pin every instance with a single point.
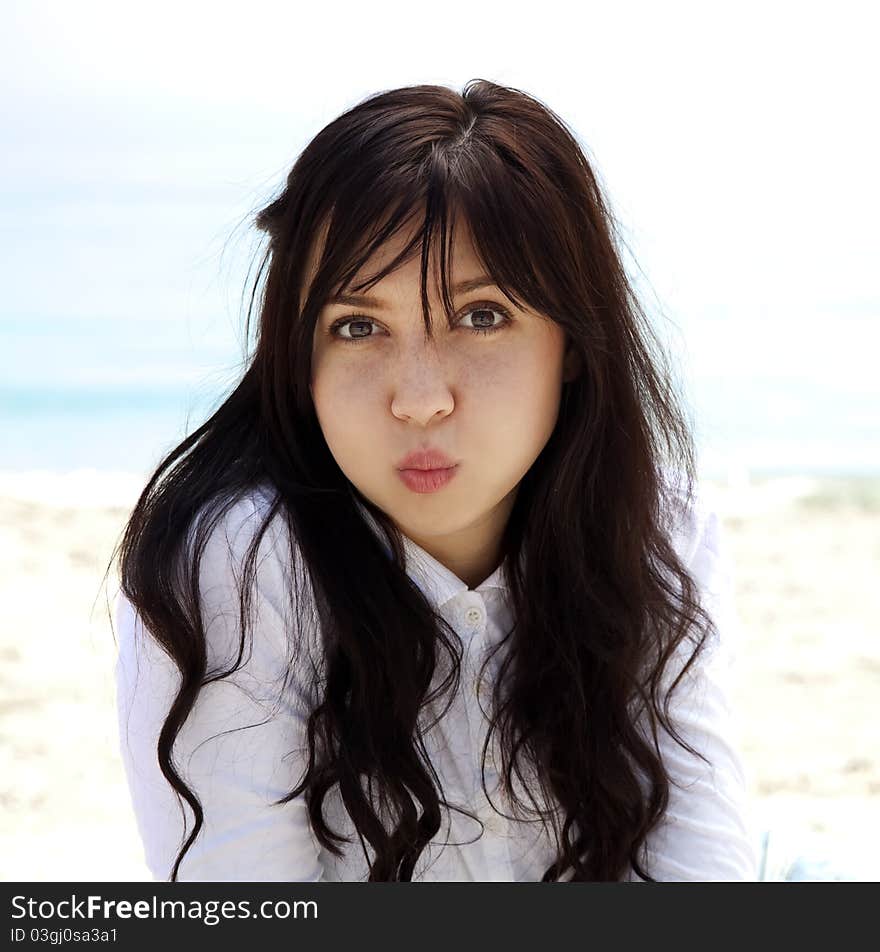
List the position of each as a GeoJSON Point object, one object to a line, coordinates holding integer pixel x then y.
{"type": "Point", "coordinates": [806, 555]}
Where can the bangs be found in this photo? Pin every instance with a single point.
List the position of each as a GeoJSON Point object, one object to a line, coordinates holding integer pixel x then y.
{"type": "Point", "coordinates": [434, 215]}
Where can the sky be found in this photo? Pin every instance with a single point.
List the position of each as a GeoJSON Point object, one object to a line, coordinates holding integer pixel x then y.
{"type": "Point", "coordinates": [736, 145]}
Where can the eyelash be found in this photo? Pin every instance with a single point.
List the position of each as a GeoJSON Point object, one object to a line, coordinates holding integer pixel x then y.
{"type": "Point", "coordinates": [358, 318]}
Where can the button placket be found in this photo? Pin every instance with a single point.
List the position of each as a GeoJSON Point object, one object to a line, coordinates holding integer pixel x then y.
{"type": "Point", "coordinates": [497, 844]}
{"type": "Point", "coordinates": [470, 614]}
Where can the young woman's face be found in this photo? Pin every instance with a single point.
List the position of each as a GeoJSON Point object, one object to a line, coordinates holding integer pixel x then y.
{"type": "Point", "coordinates": [488, 401]}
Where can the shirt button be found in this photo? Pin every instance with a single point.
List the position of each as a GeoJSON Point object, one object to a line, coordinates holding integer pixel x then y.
{"type": "Point", "coordinates": [474, 616]}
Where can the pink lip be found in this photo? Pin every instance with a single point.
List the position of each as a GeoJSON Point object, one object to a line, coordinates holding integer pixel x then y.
{"type": "Point", "coordinates": [427, 480]}
{"type": "Point", "coordinates": [426, 459]}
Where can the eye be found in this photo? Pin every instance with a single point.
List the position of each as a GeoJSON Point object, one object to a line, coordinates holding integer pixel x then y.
{"type": "Point", "coordinates": [358, 325]}
{"type": "Point", "coordinates": [485, 314]}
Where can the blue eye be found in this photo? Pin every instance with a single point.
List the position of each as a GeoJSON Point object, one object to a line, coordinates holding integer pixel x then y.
{"type": "Point", "coordinates": [359, 319]}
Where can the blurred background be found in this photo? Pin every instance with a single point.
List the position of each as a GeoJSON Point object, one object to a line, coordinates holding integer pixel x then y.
{"type": "Point", "coordinates": [737, 151]}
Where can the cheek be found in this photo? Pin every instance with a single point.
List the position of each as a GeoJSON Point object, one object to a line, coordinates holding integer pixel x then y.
{"type": "Point", "coordinates": [527, 379]}
{"type": "Point", "coordinates": [511, 405]}
{"type": "Point", "coordinates": [345, 405]}
{"type": "Point", "coordinates": [333, 380]}
{"type": "Point", "coordinates": [537, 389]}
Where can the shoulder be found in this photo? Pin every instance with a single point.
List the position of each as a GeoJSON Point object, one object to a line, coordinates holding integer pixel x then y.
{"type": "Point", "coordinates": [693, 521]}
{"type": "Point", "coordinates": [229, 524]}
{"type": "Point", "coordinates": [227, 529]}
{"type": "Point", "coordinates": [221, 533]}
{"type": "Point", "coordinates": [701, 543]}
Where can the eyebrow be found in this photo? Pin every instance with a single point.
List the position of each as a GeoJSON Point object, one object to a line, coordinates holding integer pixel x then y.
{"type": "Point", "coordinates": [366, 300]}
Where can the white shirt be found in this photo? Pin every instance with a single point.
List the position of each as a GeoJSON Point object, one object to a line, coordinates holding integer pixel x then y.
{"type": "Point", "coordinates": [706, 833]}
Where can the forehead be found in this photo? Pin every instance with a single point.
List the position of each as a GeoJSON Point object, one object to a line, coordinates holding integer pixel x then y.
{"type": "Point", "coordinates": [462, 258]}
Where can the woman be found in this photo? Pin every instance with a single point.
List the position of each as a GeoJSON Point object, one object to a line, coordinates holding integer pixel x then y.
{"type": "Point", "coordinates": [435, 599]}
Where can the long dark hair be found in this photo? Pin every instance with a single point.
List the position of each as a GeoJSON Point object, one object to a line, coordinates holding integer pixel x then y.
{"type": "Point", "coordinates": [601, 600]}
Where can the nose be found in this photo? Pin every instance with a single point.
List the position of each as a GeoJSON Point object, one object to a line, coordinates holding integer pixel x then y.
{"type": "Point", "coordinates": [421, 391]}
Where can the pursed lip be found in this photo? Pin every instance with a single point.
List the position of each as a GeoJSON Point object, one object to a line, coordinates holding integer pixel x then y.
{"type": "Point", "coordinates": [426, 459]}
